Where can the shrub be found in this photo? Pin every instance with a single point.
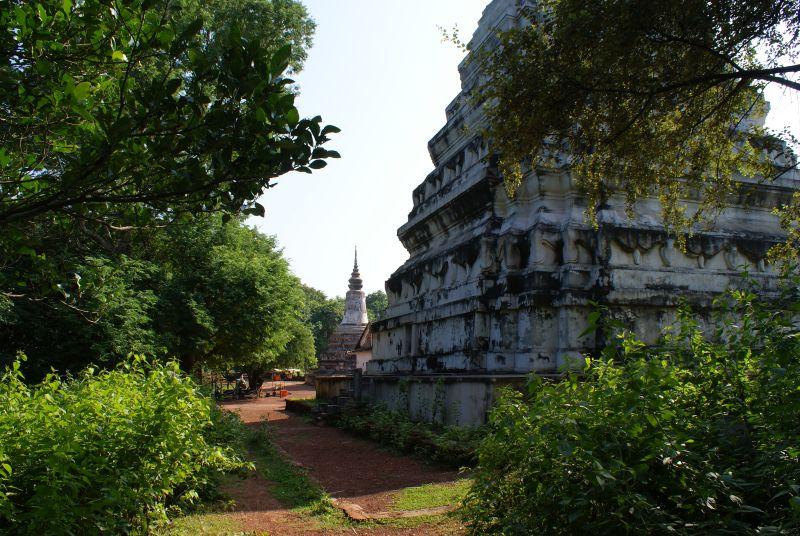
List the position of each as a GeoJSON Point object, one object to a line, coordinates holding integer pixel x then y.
{"type": "Point", "coordinates": [697, 436]}
{"type": "Point", "coordinates": [106, 451]}
{"type": "Point", "coordinates": [445, 445]}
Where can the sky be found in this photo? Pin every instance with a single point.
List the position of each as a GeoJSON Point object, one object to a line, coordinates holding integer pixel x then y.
{"type": "Point", "coordinates": [379, 70]}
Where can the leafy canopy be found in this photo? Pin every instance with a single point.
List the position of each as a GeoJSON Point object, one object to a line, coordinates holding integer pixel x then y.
{"type": "Point", "coordinates": [201, 291]}
{"type": "Point", "coordinates": [228, 297]}
{"type": "Point", "coordinates": [125, 113]}
{"type": "Point", "coordinates": [377, 302]}
{"type": "Point", "coordinates": [645, 98]}
{"type": "Point", "coordinates": [272, 23]}
{"type": "Point", "coordinates": [125, 128]}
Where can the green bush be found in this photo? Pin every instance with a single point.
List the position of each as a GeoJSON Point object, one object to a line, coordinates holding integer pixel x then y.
{"type": "Point", "coordinates": [445, 445]}
{"type": "Point", "coordinates": [698, 436]}
{"type": "Point", "coordinates": [107, 451]}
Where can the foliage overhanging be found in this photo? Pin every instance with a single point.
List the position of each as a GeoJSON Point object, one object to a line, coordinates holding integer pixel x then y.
{"type": "Point", "coordinates": [643, 98]}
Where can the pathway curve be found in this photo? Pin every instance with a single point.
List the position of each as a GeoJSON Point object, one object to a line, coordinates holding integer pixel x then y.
{"type": "Point", "coordinates": [350, 469]}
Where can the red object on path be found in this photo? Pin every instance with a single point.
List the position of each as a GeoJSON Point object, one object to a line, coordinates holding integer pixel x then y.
{"type": "Point", "coordinates": [284, 393]}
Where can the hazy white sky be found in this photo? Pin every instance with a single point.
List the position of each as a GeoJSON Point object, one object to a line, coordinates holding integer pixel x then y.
{"type": "Point", "coordinates": [379, 71]}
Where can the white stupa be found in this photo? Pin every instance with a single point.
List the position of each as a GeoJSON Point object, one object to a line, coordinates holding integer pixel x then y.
{"type": "Point", "coordinates": [340, 356]}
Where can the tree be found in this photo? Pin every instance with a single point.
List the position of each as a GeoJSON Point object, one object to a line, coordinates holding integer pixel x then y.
{"type": "Point", "coordinates": [298, 353]}
{"type": "Point", "coordinates": [202, 291]}
{"type": "Point", "coordinates": [229, 297]}
{"type": "Point", "coordinates": [323, 315]}
{"type": "Point", "coordinates": [644, 98]}
{"type": "Point", "coordinates": [116, 121]}
{"type": "Point", "coordinates": [125, 115]}
{"type": "Point", "coordinates": [102, 312]}
{"type": "Point", "coordinates": [377, 302]}
{"type": "Point", "coordinates": [273, 23]}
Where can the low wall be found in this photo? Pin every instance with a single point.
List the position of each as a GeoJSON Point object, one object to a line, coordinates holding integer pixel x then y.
{"type": "Point", "coordinates": [329, 387]}
{"type": "Point", "coordinates": [461, 400]}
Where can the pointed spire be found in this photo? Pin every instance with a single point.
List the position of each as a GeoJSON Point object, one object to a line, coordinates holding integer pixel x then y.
{"type": "Point", "coordinates": [355, 277]}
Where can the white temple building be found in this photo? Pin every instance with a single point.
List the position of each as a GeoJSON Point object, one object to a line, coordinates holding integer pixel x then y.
{"type": "Point", "coordinates": [497, 288]}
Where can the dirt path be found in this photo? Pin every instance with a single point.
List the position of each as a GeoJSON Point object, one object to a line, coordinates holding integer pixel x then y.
{"type": "Point", "coordinates": [258, 511]}
{"type": "Point", "coordinates": [348, 468]}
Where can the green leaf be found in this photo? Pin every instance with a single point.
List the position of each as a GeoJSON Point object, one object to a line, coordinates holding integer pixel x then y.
{"type": "Point", "coordinates": [173, 85]}
{"type": "Point", "coordinates": [82, 90]}
{"type": "Point", "coordinates": [185, 36]}
{"type": "Point", "coordinates": [119, 55]}
{"type": "Point", "coordinates": [256, 210]}
{"type": "Point", "coordinates": [321, 152]}
{"type": "Point", "coordinates": [83, 112]}
{"type": "Point", "coordinates": [293, 116]}
{"type": "Point", "coordinates": [165, 36]}
{"type": "Point", "coordinates": [280, 60]}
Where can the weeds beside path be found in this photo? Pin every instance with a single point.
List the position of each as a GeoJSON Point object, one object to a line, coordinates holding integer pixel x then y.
{"type": "Point", "coordinates": [303, 465]}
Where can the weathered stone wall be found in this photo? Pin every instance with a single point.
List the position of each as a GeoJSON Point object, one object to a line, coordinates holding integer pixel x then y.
{"type": "Point", "coordinates": [496, 288]}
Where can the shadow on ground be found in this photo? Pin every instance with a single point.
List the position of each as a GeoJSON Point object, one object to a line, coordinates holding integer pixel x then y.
{"type": "Point", "coordinates": [347, 467]}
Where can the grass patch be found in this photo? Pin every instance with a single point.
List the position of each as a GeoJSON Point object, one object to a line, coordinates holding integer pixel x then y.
{"type": "Point", "coordinates": [432, 495]}
{"type": "Point", "coordinates": [439, 525]}
{"type": "Point", "coordinates": [200, 524]}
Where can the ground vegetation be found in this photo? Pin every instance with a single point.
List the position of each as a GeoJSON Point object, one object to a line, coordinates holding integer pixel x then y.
{"type": "Point", "coordinates": [109, 451]}
{"type": "Point", "coordinates": [696, 436]}
{"type": "Point", "coordinates": [449, 446]}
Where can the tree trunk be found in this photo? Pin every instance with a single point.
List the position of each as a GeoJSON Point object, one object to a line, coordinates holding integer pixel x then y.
{"type": "Point", "coordinates": [187, 363]}
{"type": "Point", "coordinates": [255, 376]}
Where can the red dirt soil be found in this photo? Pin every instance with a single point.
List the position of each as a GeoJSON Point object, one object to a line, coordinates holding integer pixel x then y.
{"type": "Point", "coordinates": [348, 468]}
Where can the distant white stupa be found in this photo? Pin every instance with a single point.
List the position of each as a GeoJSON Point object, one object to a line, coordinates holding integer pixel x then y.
{"type": "Point", "coordinates": [340, 354]}
{"type": "Point", "coordinates": [355, 308]}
